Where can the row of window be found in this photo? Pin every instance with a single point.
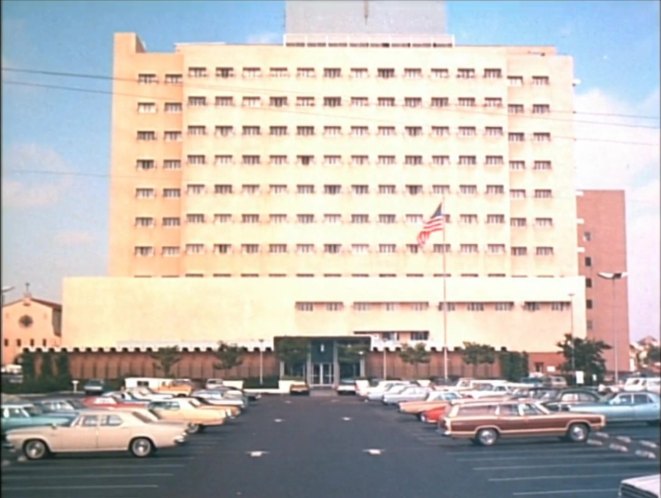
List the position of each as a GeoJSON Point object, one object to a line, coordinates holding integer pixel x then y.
{"type": "Point", "coordinates": [336, 159]}
{"type": "Point", "coordinates": [589, 303]}
{"type": "Point", "coordinates": [199, 248]}
{"type": "Point", "coordinates": [337, 72]}
{"type": "Point", "coordinates": [308, 189]}
{"type": "Point", "coordinates": [415, 219]}
{"type": "Point", "coordinates": [358, 131]}
{"type": "Point", "coordinates": [337, 101]}
{"type": "Point", "coordinates": [424, 305]}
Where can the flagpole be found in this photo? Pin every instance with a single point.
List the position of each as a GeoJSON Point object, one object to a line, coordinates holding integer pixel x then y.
{"type": "Point", "coordinates": [445, 311]}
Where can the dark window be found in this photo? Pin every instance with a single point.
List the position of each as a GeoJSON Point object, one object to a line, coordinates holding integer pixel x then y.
{"type": "Point", "coordinates": [588, 261]}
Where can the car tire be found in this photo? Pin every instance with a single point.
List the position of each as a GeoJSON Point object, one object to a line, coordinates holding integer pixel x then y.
{"type": "Point", "coordinates": [35, 449]}
{"type": "Point", "coordinates": [194, 428]}
{"type": "Point", "coordinates": [141, 447]}
{"type": "Point", "coordinates": [487, 437]}
{"type": "Point", "coordinates": [578, 433]}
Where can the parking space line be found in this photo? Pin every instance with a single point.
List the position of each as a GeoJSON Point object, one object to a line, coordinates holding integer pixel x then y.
{"type": "Point", "coordinates": [86, 476]}
{"type": "Point", "coordinates": [550, 457]}
{"type": "Point", "coordinates": [570, 492]}
{"type": "Point", "coordinates": [560, 476]}
{"type": "Point", "coordinates": [635, 463]}
{"type": "Point", "coordinates": [58, 488]}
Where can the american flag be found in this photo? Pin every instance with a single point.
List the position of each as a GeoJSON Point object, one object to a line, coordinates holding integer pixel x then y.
{"type": "Point", "coordinates": [433, 224]}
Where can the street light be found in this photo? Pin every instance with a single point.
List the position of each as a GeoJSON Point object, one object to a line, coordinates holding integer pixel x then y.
{"type": "Point", "coordinates": [571, 333]}
{"type": "Point", "coordinates": [613, 277]}
{"type": "Point", "coordinates": [261, 362]}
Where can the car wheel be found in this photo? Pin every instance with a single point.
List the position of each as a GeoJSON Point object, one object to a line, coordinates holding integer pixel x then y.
{"type": "Point", "coordinates": [194, 428]}
{"type": "Point", "coordinates": [35, 449]}
{"type": "Point", "coordinates": [578, 433]}
{"type": "Point", "coordinates": [487, 437]}
{"type": "Point", "coordinates": [141, 447]}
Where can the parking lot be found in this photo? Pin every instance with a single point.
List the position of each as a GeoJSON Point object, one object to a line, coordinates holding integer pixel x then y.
{"type": "Point", "coordinates": [331, 446]}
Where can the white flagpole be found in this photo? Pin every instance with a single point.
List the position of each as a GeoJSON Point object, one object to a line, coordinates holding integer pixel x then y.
{"type": "Point", "coordinates": [445, 308]}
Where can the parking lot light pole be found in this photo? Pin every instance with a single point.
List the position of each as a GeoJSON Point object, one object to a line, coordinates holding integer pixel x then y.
{"type": "Point", "coordinates": [613, 277]}
{"type": "Point", "coordinates": [571, 333]}
{"type": "Point", "coordinates": [261, 362]}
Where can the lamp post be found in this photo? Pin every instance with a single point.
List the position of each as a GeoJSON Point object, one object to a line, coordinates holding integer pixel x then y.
{"type": "Point", "coordinates": [571, 333]}
{"type": "Point", "coordinates": [613, 277]}
{"type": "Point", "coordinates": [261, 362]}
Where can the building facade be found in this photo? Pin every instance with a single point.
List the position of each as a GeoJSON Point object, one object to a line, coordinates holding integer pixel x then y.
{"type": "Point", "coordinates": [266, 191]}
{"type": "Point", "coordinates": [29, 323]}
{"type": "Point", "coordinates": [602, 237]}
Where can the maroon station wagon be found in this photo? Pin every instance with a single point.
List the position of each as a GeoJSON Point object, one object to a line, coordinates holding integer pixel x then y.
{"type": "Point", "coordinates": [485, 422]}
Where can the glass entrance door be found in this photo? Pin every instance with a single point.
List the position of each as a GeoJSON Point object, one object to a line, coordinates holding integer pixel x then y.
{"type": "Point", "coordinates": [322, 374]}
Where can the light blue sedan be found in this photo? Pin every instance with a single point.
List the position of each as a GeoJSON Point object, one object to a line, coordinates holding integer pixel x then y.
{"type": "Point", "coordinates": [625, 407]}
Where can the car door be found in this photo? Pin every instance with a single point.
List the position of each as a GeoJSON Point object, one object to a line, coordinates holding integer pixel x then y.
{"type": "Point", "coordinates": [113, 433]}
{"type": "Point", "coordinates": [78, 437]}
{"type": "Point", "coordinates": [645, 410]}
{"type": "Point", "coordinates": [621, 408]}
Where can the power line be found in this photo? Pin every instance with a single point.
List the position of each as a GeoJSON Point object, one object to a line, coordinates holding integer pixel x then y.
{"type": "Point", "coordinates": [360, 118]}
{"type": "Point", "coordinates": [266, 90]}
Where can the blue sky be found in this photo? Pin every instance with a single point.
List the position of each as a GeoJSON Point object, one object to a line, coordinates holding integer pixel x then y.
{"type": "Point", "coordinates": [55, 224]}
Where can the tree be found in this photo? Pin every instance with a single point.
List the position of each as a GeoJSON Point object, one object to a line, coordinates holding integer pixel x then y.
{"type": "Point", "coordinates": [293, 352]}
{"type": "Point", "coordinates": [476, 354]}
{"type": "Point", "coordinates": [513, 365]}
{"type": "Point", "coordinates": [62, 368]}
{"type": "Point", "coordinates": [585, 354]}
{"type": "Point", "coordinates": [166, 358]}
{"type": "Point", "coordinates": [46, 366]}
{"type": "Point", "coordinates": [415, 355]}
{"type": "Point", "coordinates": [228, 356]}
{"type": "Point", "coordinates": [27, 362]}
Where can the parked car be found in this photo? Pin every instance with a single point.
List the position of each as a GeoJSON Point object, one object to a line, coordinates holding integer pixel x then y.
{"type": "Point", "coordinates": [560, 399]}
{"type": "Point", "coordinates": [19, 415]}
{"type": "Point", "coordinates": [637, 384]}
{"type": "Point", "coordinates": [641, 487]}
{"type": "Point", "coordinates": [411, 392]}
{"type": "Point", "coordinates": [375, 393]}
{"type": "Point", "coordinates": [94, 387]}
{"type": "Point", "coordinates": [625, 407]}
{"type": "Point", "coordinates": [111, 402]}
{"type": "Point", "coordinates": [57, 405]}
{"type": "Point", "coordinates": [213, 383]}
{"type": "Point", "coordinates": [433, 399]}
{"type": "Point", "coordinates": [98, 430]}
{"type": "Point", "coordinates": [486, 421]}
{"type": "Point", "coordinates": [299, 388]}
{"type": "Point", "coordinates": [433, 415]}
{"type": "Point", "coordinates": [189, 412]}
{"type": "Point", "coordinates": [224, 396]}
{"type": "Point", "coordinates": [346, 386]}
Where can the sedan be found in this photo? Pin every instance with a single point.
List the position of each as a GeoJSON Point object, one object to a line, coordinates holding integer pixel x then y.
{"type": "Point", "coordinates": [406, 393]}
{"type": "Point", "coordinates": [625, 407]}
{"type": "Point", "coordinates": [98, 431]}
{"type": "Point", "coordinates": [18, 415]}
{"type": "Point", "coordinates": [433, 399]}
{"type": "Point", "coordinates": [187, 410]}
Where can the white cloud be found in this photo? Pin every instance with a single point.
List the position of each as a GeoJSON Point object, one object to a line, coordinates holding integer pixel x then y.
{"type": "Point", "coordinates": [33, 176]}
{"type": "Point", "coordinates": [618, 161]}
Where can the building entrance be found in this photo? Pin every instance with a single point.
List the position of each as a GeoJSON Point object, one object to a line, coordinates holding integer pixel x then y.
{"type": "Point", "coordinates": [322, 374]}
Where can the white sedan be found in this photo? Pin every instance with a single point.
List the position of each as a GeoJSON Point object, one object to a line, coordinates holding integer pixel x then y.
{"type": "Point", "coordinates": [98, 431]}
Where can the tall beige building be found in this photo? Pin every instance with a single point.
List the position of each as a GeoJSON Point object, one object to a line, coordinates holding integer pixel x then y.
{"type": "Point", "coordinates": [262, 191]}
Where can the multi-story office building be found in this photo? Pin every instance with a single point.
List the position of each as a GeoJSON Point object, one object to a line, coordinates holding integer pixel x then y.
{"type": "Point", "coordinates": [263, 191]}
{"type": "Point", "coordinates": [603, 262]}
